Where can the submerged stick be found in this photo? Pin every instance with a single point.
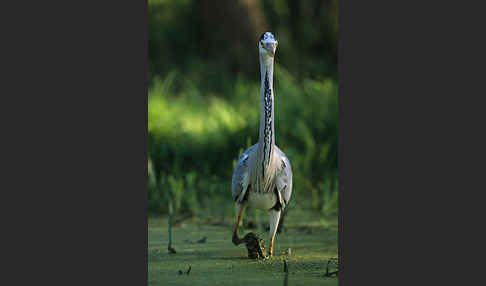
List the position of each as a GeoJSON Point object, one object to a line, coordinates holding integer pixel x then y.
{"type": "Point", "coordinates": [286, 270]}
{"type": "Point", "coordinates": [254, 245]}
{"type": "Point", "coordinates": [169, 247]}
{"type": "Point", "coordinates": [330, 274]}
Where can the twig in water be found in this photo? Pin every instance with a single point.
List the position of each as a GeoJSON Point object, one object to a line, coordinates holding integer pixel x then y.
{"type": "Point", "coordinates": [188, 270]}
{"type": "Point", "coordinates": [330, 274]}
{"type": "Point", "coordinates": [286, 270]}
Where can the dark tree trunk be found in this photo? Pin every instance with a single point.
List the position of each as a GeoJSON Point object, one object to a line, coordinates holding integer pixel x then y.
{"type": "Point", "coordinates": [231, 30]}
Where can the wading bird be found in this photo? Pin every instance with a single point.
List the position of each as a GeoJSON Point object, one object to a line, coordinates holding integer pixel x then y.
{"type": "Point", "coordinates": [263, 176]}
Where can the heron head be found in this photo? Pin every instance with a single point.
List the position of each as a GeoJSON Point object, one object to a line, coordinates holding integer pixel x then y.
{"type": "Point", "coordinates": [267, 44]}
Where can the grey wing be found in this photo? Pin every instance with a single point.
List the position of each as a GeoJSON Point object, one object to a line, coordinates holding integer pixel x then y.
{"type": "Point", "coordinates": [283, 179]}
{"type": "Point", "coordinates": [240, 180]}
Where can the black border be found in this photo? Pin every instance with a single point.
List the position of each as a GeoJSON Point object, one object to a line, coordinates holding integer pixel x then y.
{"type": "Point", "coordinates": [76, 75]}
{"type": "Point", "coordinates": [341, 147]}
{"type": "Point", "coordinates": [410, 83]}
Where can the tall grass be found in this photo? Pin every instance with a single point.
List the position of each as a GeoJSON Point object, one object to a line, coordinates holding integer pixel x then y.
{"type": "Point", "coordinates": [196, 135]}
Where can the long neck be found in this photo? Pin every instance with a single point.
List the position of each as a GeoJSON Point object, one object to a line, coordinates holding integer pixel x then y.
{"type": "Point", "coordinates": [266, 138]}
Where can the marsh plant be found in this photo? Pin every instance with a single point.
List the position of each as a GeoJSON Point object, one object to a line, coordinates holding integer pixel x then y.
{"type": "Point", "coordinates": [195, 138]}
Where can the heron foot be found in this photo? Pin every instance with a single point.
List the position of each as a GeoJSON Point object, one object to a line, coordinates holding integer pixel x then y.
{"type": "Point", "coordinates": [236, 240]}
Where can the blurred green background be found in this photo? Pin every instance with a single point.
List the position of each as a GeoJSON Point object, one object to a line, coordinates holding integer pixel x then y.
{"type": "Point", "coordinates": [203, 101]}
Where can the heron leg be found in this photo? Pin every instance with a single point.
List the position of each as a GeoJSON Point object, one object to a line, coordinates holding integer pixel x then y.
{"type": "Point", "coordinates": [274, 218]}
{"type": "Point", "coordinates": [241, 208]}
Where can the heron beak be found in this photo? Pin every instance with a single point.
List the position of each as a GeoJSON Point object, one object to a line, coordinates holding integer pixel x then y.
{"type": "Point", "coordinates": [270, 47]}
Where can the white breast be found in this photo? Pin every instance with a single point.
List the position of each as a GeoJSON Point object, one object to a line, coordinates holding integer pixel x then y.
{"type": "Point", "coordinates": [262, 201]}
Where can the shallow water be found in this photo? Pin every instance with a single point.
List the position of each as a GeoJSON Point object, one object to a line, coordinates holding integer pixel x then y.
{"type": "Point", "coordinates": [218, 262]}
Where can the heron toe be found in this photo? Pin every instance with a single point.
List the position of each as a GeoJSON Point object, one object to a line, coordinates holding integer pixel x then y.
{"type": "Point", "coordinates": [236, 239]}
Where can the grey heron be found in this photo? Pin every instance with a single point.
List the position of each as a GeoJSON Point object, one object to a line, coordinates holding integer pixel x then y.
{"type": "Point", "coordinates": [262, 178]}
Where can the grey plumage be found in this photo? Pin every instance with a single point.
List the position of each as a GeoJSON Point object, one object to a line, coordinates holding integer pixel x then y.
{"type": "Point", "coordinates": [240, 180]}
{"type": "Point", "coordinates": [283, 178]}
